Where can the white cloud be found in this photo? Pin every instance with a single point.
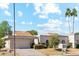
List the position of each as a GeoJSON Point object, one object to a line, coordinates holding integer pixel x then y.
{"type": "Point", "coordinates": [26, 23]}
{"type": "Point", "coordinates": [69, 22]}
{"type": "Point", "coordinates": [45, 9]}
{"type": "Point", "coordinates": [27, 4]}
{"type": "Point", "coordinates": [51, 25]}
{"type": "Point", "coordinates": [20, 13]}
{"type": "Point", "coordinates": [7, 13]}
{"type": "Point", "coordinates": [43, 16]}
{"type": "Point", "coordinates": [23, 22]}
{"type": "Point", "coordinates": [10, 20]}
{"type": "Point", "coordinates": [66, 24]}
{"type": "Point", "coordinates": [30, 23]}
{"type": "Point", "coordinates": [4, 5]}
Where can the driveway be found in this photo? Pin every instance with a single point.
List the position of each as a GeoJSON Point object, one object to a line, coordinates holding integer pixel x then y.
{"type": "Point", "coordinates": [28, 52]}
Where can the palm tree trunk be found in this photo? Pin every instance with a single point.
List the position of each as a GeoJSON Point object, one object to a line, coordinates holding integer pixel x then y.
{"type": "Point", "coordinates": [73, 31]}
{"type": "Point", "coordinates": [73, 24]}
{"type": "Point", "coordinates": [69, 25]}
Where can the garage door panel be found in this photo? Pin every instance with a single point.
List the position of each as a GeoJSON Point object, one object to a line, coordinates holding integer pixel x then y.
{"type": "Point", "coordinates": [23, 43]}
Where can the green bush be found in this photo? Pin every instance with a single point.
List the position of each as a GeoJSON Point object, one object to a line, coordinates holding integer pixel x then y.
{"type": "Point", "coordinates": [39, 46]}
{"type": "Point", "coordinates": [1, 43]}
{"type": "Point", "coordinates": [45, 46]}
{"type": "Point", "coordinates": [69, 45]}
{"type": "Point", "coordinates": [77, 45]}
{"type": "Point", "coordinates": [32, 45]}
{"type": "Point", "coordinates": [47, 43]}
{"type": "Point", "coordinates": [53, 41]}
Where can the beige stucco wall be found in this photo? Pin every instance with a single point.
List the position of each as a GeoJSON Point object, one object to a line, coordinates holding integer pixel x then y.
{"type": "Point", "coordinates": [74, 39]}
{"type": "Point", "coordinates": [65, 38]}
{"type": "Point", "coordinates": [43, 38]}
{"type": "Point", "coordinates": [71, 38]}
{"type": "Point", "coordinates": [21, 42]}
{"type": "Point", "coordinates": [7, 44]}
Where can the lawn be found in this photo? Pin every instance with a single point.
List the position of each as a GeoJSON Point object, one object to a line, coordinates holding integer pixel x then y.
{"type": "Point", "coordinates": [53, 52]}
{"type": "Point", "coordinates": [47, 52]}
{"type": "Point", "coordinates": [50, 51]}
{"type": "Point", "coordinates": [5, 52]}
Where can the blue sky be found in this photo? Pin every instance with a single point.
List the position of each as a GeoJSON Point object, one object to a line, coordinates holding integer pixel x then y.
{"type": "Point", "coordinates": [45, 18]}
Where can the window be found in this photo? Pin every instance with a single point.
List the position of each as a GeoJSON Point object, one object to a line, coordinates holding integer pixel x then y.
{"type": "Point", "coordinates": [63, 41]}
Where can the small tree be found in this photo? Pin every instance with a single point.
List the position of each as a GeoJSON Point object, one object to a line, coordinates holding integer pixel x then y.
{"type": "Point", "coordinates": [33, 32]}
{"type": "Point", "coordinates": [5, 29]}
{"type": "Point", "coordinates": [1, 43]}
{"type": "Point", "coordinates": [53, 41]}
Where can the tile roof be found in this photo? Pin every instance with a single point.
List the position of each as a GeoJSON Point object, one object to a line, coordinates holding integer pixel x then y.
{"type": "Point", "coordinates": [22, 33]}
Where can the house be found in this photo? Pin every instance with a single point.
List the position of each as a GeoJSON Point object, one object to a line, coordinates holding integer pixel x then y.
{"type": "Point", "coordinates": [22, 40]}
{"type": "Point", "coordinates": [74, 39]}
{"type": "Point", "coordinates": [44, 38]}
{"type": "Point", "coordinates": [25, 39]}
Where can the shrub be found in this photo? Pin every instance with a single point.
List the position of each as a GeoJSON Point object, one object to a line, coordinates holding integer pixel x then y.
{"type": "Point", "coordinates": [47, 43]}
{"type": "Point", "coordinates": [1, 43]}
{"type": "Point", "coordinates": [45, 46]}
{"type": "Point", "coordinates": [69, 45]}
{"type": "Point", "coordinates": [77, 45]}
{"type": "Point", "coordinates": [39, 46]}
{"type": "Point", "coordinates": [53, 41]}
{"type": "Point", "coordinates": [32, 45]}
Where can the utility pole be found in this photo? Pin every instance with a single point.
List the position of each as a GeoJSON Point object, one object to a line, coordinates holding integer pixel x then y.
{"type": "Point", "coordinates": [14, 29]}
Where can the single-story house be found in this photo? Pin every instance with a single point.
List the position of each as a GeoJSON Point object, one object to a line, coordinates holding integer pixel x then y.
{"type": "Point", "coordinates": [74, 39]}
{"type": "Point", "coordinates": [44, 38]}
{"type": "Point", "coordinates": [22, 40]}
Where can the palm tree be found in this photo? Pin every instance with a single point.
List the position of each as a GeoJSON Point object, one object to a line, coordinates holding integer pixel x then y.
{"type": "Point", "coordinates": [68, 14]}
{"type": "Point", "coordinates": [73, 14]}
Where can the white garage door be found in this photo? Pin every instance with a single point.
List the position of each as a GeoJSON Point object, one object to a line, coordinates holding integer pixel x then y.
{"type": "Point", "coordinates": [23, 43]}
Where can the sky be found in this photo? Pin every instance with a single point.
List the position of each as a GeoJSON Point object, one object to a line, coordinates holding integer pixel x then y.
{"type": "Point", "coordinates": [42, 17]}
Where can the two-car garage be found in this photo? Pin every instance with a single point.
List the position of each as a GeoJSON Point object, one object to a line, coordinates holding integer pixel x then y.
{"type": "Point", "coordinates": [21, 42]}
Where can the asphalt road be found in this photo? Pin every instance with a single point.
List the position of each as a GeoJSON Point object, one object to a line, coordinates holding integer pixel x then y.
{"type": "Point", "coordinates": [28, 52]}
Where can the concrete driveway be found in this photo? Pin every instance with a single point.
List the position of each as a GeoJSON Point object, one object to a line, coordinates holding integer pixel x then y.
{"type": "Point", "coordinates": [28, 52]}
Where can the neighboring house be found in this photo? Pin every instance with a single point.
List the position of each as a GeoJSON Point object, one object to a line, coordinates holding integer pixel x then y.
{"type": "Point", "coordinates": [22, 40]}
{"type": "Point", "coordinates": [77, 38]}
{"type": "Point", "coordinates": [44, 38]}
{"type": "Point", "coordinates": [63, 37]}
{"type": "Point", "coordinates": [74, 39]}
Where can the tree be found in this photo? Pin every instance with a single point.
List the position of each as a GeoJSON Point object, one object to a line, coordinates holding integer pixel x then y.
{"type": "Point", "coordinates": [68, 14]}
{"type": "Point", "coordinates": [74, 14]}
{"type": "Point", "coordinates": [53, 40]}
{"type": "Point", "coordinates": [77, 33]}
{"type": "Point", "coordinates": [1, 43]}
{"type": "Point", "coordinates": [33, 32]}
{"type": "Point", "coordinates": [5, 29]}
